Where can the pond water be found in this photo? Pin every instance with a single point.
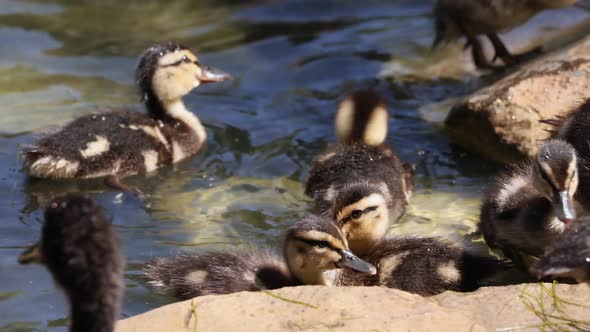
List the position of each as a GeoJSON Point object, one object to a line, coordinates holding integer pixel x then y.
{"type": "Point", "coordinates": [292, 62]}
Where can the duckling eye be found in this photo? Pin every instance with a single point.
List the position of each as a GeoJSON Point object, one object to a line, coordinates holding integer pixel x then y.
{"type": "Point", "coordinates": [356, 214]}
{"type": "Point", "coordinates": [322, 244]}
{"type": "Point", "coordinates": [185, 59]}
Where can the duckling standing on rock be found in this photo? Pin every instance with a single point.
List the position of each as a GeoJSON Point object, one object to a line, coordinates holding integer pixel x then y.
{"type": "Point", "coordinates": [470, 18]}
{"type": "Point", "coordinates": [568, 258]}
{"type": "Point", "coordinates": [361, 182]}
{"type": "Point", "coordinates": [316, 252]}
{"type": "Point", "coordinates": [529, 207]}
{"type": "Point", "coordinates": [122, 143]}
{"type": "Point", "coordinates": [80, 249]}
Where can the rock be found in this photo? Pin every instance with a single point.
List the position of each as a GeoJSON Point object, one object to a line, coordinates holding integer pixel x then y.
{"type": "Point", "coordinates": [364, 309]}
{"type": "Point", "coordinates": [501, 121]}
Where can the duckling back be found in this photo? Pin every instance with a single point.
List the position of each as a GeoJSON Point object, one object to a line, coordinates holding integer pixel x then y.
{"type": "Point", "coordinates": [190, 275]}
{"type": "Point", "coordinates": [569, 257]}
{"type": "Point", "coordinates": [362, 118]}
{"type": "Point", "coordinates": [426, 266]}
{"type": "Point", "coordinates": [83, 254]}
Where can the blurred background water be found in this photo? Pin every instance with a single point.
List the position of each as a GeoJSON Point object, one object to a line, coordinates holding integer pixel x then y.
{"type": "Point", "coordinates": [292, 60]}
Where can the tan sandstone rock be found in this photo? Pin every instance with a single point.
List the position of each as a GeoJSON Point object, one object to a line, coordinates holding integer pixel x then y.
{"type": "Point", "coordinates": [501, 121]}
{"type": "Point", "coordinates": [320, 308]}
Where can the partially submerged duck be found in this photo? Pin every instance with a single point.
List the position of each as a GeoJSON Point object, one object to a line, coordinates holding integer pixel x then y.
{"type": "Point", "coordinates": [529, 207]}
{"type": "Point", "coordinates": [361, 182]}
{"type": "Point", "coordinates": [569, 257]}
{"type": "Point", "coordinates": [83, 254]}
{"type": "Point", "coordinates": [471, 18]}
{"type": "Point", "coordinates": [121, 143]}
{"type": "Point", "coordinates": [317, 254]}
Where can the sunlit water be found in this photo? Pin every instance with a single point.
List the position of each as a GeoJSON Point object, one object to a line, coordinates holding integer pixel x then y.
{"type": "Point", "coordinates": [292, 61]}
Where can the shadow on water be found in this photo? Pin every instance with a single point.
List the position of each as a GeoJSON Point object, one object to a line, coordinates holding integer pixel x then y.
{"type": "Point", "coordinates": [293, 61]}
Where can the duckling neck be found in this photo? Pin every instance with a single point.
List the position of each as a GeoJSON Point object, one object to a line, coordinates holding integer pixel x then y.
{"type": "Point", "coordinates": [325, 278]}
{"type": "Point", "coordinates": [174, 110]}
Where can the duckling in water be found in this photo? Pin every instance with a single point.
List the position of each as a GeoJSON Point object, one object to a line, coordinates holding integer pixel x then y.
{"type": "Point", "coordinates": [569, 257]}
{"type": "Point", "coordinates": [117, 144]}
{"type": "Point", "coordinates": [574, 128]}
{"type": "Point", "coordinates": [528, 207]}
{"type": "Point", "coordinates": [82, 252]}
{"type": "Point", "coordinates": [317, 254]}
{"type": "Point", "coordinates": [361, 182]}
{"type": "Point", "coordinates": [470, 18]}
{"type": "Point", "coordinates": [190, 275]}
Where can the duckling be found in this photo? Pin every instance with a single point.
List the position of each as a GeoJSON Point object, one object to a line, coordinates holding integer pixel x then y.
{"type": "Point", "coordinates": [190, 275]}
{"type": "Point", "coordinates": [470, 18]}
{"type": "Point", "coordinates": [569, 257]}
{"type": "Point", "coordinates": [361, 182]}
{"type": "Point", "coordinates": [528, 208]}
{"type": "Point", "coordinates": [574, 128]}
{"type": "Point", "coordinates": [317, 253]}
{"type": "Point", "coordinates": [82, 252]}
{"type": "Point", "coordinates": [121, 143]}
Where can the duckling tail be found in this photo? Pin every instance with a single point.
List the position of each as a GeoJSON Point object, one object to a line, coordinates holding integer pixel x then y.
{"type": "Point", "coordinates": [362, 117]}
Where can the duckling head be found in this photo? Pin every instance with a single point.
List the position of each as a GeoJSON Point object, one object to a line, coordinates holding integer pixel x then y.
{"type": "Point", "coordinates": [362, 213]}
{"type": "Point", "coordinates": [315, 248]}
{"type": "Point", "coordinates": [80, 249]}
{"type": "Point", "coordinates": [556, 177]}
{"type": "Point", "coordinates": [362, 118]}
{"type": "Point", "coordinates": [170, 71]}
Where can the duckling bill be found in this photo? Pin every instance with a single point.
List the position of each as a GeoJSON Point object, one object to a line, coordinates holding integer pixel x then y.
{"type": "Point", "coordinates": [471, 18]}
{"type": "Point", "coordinates": [83, 254]}
{"type": "Point", "coordinates": [116, 144]}
{"type": "Point", "coordinates": [361, 183]}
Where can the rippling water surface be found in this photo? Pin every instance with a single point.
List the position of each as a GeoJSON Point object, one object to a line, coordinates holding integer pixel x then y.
{"type": "Point", "coordinates": [292, 62]}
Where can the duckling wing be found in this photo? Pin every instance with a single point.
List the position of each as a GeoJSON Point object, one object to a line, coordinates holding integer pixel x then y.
{"type": "Point", "coordinates": [115, 143]}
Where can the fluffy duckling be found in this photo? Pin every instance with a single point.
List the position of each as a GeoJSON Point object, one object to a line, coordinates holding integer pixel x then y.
{"type": "Point", "coordinates": [568, 258]}
{"type": "Point", "coordinates": [528, 207]}
{"type": "Point", "coordinates": [361, 182]}
{"type": "Point", "coordinates": [470, 18]}
{"type": "Point", "coordinates": [190, 275]}
{"type": "Point", "coordinates": [574, 128]}
{"type": "Point", "coordinates": [117, 144]}
{"type": "Point", "coordinates": [317, 254]}
{"type": "Point", "coordinates": [82, 252]}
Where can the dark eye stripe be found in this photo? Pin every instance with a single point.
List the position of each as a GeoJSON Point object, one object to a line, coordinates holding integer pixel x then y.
{"type": "Point", "coordinates": [177, 63]}
{"type": "Point", "coordinates": [546, 178]}
{"type": "Point", "coordinates": [369, 209]}
{"type": "Point", "coordinates": [316, 243]}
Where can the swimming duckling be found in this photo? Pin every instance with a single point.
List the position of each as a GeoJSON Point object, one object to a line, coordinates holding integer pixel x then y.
{"type": "Point", "coordinates": [191, 274]}
{"type": "Point", "coordinates": [82, 252]}
{"type": "Point", "coordinates": [361, 182]}
{"type": "Point", "coordinates": [569, 257]}
{"type": "Point", "coordinates": [470, 18]}
{"type": "Point", "coordinates": [574, 128]}
{"type": "Point", "coordinates": [529, 207]}
{"type": "Point", "coordinates": [117, 144]}
{"type": "Point", "coordinates": [317, 254]}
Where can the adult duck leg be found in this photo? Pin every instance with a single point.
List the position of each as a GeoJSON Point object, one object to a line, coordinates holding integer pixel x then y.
{"type": "Point", "coordinates": [502, 52]}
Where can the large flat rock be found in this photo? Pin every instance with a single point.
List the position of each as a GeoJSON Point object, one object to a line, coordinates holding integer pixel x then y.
{"type": "Point", "coordinates": [502, 121]}
{"type": "Point", "coordinates": [317, 308]}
